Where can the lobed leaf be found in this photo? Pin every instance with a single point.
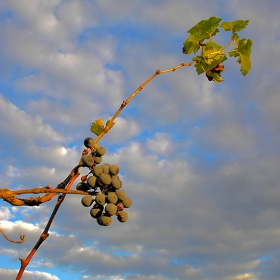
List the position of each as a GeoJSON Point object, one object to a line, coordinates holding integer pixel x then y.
{"type": "Point", "coordinates": [234, 26]}
{"type": "Point", "coordinates": [235, 37]}
{"type": "Point", "coordinates": [243, 51]}
{"type": "Point", "coordinates": [97, 127]}
{"type": "Point", "coordinates": [199, 68]}
{"type": "Point", "coordinates": [216, 77]}
{"type": "Point", "coordinates": [109, 124]}
{"type": "Point", "coordinates": [190, 45]}
{"type": "Point", "coordinates": [205, 29]}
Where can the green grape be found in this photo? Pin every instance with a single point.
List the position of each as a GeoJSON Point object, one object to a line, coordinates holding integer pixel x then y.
{"type": "Point", "coordinates": [87, 160]}
{"type": "Point", "coordinates": [96, 211]}
{"type": "Point", "coordinates": [82, 186]}
{"type": "Point", "coordinates": [111, 209]}
{"type": "Point", "coordinates": [112, 197]}
{"type": "Point", "coordinates": [121, 194]}
{"type": "Point", "coordinates": [122, 216]}
{"type": "Point", "coordinates": [88, 142]}
{"type": "Point", "coordinates": [105, 220]}
{"type": "Point", "coordinates": [127, 202]}
{"type": "Point", "coordinates": [105, 179]}
{"type": "Point", "coordinates": [106, 168]}
{"type": "Point", "coordinates": [114, 169]}
{"type": "Point", "coordinates": [116, 183]}
{"type": "Point", "coordinates": [97, 170]}
{"type": "Point", "coordinates": [100, 151]}
{"type": "Point", "coordinates": [100, 199]}
{"type": "Point", "coordinates": [91, 181]}
{"type": "Point", "coordinates": [97, 159]}
{"type": "Point", "coordinates": [87, 200]}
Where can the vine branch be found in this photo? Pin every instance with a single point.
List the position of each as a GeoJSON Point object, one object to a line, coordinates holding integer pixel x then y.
{"type": "Point", "coordinates": [44, 235]}
{"type": "Point", "coordinates": [9, 195]}
{"type": "Point", "coordinates": [125, 102]}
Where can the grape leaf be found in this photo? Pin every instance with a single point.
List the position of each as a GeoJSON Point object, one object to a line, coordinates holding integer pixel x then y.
{"type": "Point", "coordinates": [235, 26]}
{"type": "Point", "coordinates": [199, 68]}
{"type": "Point", "coordinates": [190, 45]}
{"type": "Point", "coordinates": [234, 37]}
{"type": "Point", "coordinates": [97, 127]}
{"type": "Point", "coordinates": [109, 124]}
{"type": "Point", "coordinates": [213, 55]}
{"type": "Point", "coordinates": [243, 51]}
{"type": "Point", "coordinates": [198, 58]}
{"type": "Point", "coordinates": [213, 76]}
{"type": "Point", "coordinates": [205, 29]}
{"type": "Point", "coordinates": [212, 45]}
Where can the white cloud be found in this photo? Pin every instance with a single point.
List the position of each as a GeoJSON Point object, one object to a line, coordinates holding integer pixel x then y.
{"type": "Point", "coordinates": [123, 130]}
{"type": "Point", "coordinates": [18, 123]}
{"type": "Point", "coordinates": [5, 213]}
{"type": "Point", "coordinates": [9, 274]}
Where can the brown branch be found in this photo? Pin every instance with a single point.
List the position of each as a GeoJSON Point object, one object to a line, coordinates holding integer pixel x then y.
{"type": "Point", "coordinates": [21, 236]}
{"type": "Point", "coordinates": [9, 195]}
{"type": "Point", "coordinates": [45, 234]}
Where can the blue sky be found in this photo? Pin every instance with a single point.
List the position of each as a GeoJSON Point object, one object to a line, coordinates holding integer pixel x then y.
{"type": "Point", "coordinates": [199, 160]}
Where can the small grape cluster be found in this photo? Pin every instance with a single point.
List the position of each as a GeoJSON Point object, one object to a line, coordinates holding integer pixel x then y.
{"type": "Point", "coordinates": [110, 200]}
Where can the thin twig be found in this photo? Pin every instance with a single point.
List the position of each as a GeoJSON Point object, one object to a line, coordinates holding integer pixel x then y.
{"type": "Point", "coordinates": [45, 234]}
{"type": "Point", "coordinates": [21, 236]}
{"type": "Point", "coordinates": [125, 102]}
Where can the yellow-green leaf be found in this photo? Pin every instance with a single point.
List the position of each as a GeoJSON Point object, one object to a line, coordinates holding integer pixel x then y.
{"type": "Point", "coordinates": [97, 127]}
{"type": "Point", "coordinates": [109, 124]}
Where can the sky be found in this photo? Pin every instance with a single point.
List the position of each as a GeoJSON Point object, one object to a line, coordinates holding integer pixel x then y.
{"type": "Point", "coordinates": [200, 160]}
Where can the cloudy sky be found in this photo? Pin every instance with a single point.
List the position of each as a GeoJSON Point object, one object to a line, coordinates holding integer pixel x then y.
{"type": "Point", "coordinates": [199, 160]}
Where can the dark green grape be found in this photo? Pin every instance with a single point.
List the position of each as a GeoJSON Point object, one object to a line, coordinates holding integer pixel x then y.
{"type": "Point", "coordinates": [100, 151]}
{"type": "Point", "coordinates": [98, 221]}
{"type": "Point", "coordinates": [97, 170]}
{"type": "Point", "coordinates": [122, 216]}
{"type": "Point", "coordinates": [82, 186]}
{"type": "Point", "coordinates": [97, 159]}
{"type": "Point", "coordinates": [100, 199]}
{"type": "Point", "coordinates": [105, 179]}
{"type": "Point", "coordinates": [114, 169]}
{"type": "Point", "coordinates": [89, 142]}
{"type": "Point", "coordinates": [87, 160]}
{"type": "Point", "coordinates": [121, 194]}
{"type": "Point", "coordinates": [116, 183]}
{"type": "Point", "coordinates": [91, 181]}
{"type": "Point", "coordinates": [106, 168]}
{"type": "Point", "coordinates": [112, 197]}
{"type": "Point", "coordinates": [96, 211]}
{"type": "Point", "coordinates": [127, 202]}
{"type": "Point", "coordinates": [87, 200]}
{"type": "Point", "coordinates": [111, 209]}
{"type": "Point", "coordinates": [105, 220]}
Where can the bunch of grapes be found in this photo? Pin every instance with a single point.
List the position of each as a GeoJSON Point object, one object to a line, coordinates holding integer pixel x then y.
{"type": "Point", "coordinates": [103, 185]}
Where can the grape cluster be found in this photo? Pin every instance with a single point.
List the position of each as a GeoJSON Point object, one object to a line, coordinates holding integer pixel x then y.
{"type": "Point", "coordinates": [103, 185]}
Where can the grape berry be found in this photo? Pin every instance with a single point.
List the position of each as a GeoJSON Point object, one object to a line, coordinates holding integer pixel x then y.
{"type": "Point", "coordinates": [103, 186]}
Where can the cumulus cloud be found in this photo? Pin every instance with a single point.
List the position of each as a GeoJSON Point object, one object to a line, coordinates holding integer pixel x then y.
{"type": "Point", "coordinates": [18, 123]}
{"type": "Point", "coordinates": [10, 274]}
